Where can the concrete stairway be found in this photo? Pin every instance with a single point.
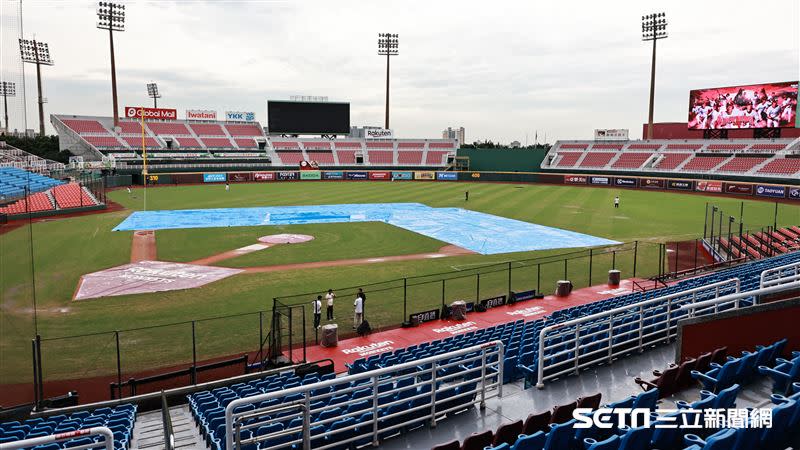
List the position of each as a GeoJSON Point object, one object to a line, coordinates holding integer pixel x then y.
{"type": "Point", "coordinates": [148, 432]}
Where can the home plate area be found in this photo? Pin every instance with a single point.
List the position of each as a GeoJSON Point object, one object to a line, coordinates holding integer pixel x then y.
{"type": "Point", "coordinates": [148, 276]}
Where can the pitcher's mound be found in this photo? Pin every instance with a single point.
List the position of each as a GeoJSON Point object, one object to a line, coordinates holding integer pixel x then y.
{"type": "Point", "coordinates": [285, 238]}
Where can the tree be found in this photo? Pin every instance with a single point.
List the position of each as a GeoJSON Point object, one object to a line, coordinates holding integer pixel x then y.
{"type": "Point", "coordinates": [41, 146]}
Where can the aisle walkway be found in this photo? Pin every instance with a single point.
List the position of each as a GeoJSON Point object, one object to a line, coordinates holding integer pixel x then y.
{"type": "Point", "coordinates": [351, 349]}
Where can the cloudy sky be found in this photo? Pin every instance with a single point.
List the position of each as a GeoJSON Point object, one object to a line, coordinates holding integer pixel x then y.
{"type": "Point", "coordinates": [501, 69]}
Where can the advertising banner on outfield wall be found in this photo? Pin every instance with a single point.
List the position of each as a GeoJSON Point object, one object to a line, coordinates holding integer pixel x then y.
{"type": "Point", "coordinates": [575, 179]}
{"type": "Point", "coordinates": [310, 175]}
{"type": "Point", "coordinates": [288, 175]}
{"type": "Point", "coordinates": [333, 175]}
{"type": "Point", "coordinates": [380, 176]}
{"type": "Point", "coordinates": [402, 175]}
{"type": "Point", "coordinates": [738, 188]}
{"type": "Point", "coordinates": [475, 175]}
{"type": "Point", "coordinates": [708, 186]}
{"type": "Point", "coordinates": [599, 180]}
{"type": "Point", "coordinates": [494, 302]}
{"type": "Point", "coordinates": [239, 177]}
{"type": "Point", "coordinates": [652, 183]}
{"type": "Point", "coordinates": [264, 176]}
{"type": "Point", "coordinates": [680, 185]}
{"type": "Point", "coordinates": [214, 178]}
{"type": "Point", "coordinates": [794, 193]}
{"type": "Point", "coordinates": [625, 182]}
{"type": "Point", "coordinates": [447, 176]}
{"type": "Point", "coordinates": [763, 190]}
{"type": "Point", "coordinates": [356, 175]}
{"type": "Point", "coordinates": [424, 175]}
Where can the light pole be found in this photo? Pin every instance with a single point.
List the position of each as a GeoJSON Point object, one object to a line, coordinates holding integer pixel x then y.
{"type": "Point", "coordinates": [654, 27]}
{"type": "Point", "coordinates": [152, 92]}
{"type": "Point", "coordinates": [7, 89]}
{"type": "Point", "coordinates": [38, 53]}
{"type": "Point", "coordinates": [388, 45]}
{"type": "Point", "coordinates": [111, 17]}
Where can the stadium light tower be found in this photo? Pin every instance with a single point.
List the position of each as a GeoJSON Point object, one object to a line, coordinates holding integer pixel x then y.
{"type": "Point", "coordinates": [152, 92]}
{"type": "Point", "coordinates": [7, 89]}
{"type": "Point", "coordinates": [38, 53]}
{"type": "Point", "coordinates": [388, 45]}
{"type": "Point", "coordinates": [111, 17]}
{"type": "Point", "coordinates": [654, 27]}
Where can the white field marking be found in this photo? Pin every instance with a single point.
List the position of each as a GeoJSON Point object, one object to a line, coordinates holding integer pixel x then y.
{"type": "Point", "coordinates": [95, 232]}
{"type": "Point", "coordinates": [669, 250]}
{"type": "Point", "coordinates": [436, 255]}
{"type": "Point", "coordinates": [376, 260]}
{"type": "Point", "coordinates": [251, 248]}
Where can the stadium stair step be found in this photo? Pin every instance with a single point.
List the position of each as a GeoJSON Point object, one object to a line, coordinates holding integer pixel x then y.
{"type": "Point", "coordinates": [148, 432]}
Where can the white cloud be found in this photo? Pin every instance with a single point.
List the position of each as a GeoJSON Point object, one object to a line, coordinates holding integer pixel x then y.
{"type": "Point", "coordinates": [500, 69]}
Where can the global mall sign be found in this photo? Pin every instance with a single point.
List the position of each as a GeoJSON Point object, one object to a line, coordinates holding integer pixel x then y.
{"type": "Point", "coordinates": [135, 112]}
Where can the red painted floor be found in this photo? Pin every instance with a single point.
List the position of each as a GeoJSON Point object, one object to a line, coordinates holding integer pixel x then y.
{"type": "Point", "coordinates": [351, 349]}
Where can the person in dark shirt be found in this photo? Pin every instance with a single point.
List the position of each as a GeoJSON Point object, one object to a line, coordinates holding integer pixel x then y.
{"type": "Point", "coordinates": [466, 196]}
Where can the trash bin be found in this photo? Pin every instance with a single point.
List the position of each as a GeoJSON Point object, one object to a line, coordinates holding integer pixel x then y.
{"type": "Point", "coordinates": [458, 310]}
{"type": "Point", "coordinates": [563, 288]}
{"type": "Point", "coordinates": [330, 335]}
{"type": "Point", "coordinates": [613, 277]}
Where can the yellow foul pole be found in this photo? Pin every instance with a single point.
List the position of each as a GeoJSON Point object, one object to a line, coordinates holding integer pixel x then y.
{"type": "Point", "coordinates": [144, 156]}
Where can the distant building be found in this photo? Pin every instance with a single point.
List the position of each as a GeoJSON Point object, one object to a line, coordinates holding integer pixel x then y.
{"type": "Point", "coordinates": [454, 133]}
{"type": "Point", "coordinates": [515, 144]}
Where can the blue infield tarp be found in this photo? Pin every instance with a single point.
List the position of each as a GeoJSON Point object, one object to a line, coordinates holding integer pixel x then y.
{"type": "Point", "coordinates": [486, 234]}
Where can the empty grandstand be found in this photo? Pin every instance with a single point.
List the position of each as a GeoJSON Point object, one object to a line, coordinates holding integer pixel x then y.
{"type": "Point", "coordinates": [778, 158]}
{"type": "Point", "coordinates": [183, 145]}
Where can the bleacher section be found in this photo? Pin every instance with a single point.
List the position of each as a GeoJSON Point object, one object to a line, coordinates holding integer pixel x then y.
{"type": "Point", "coordinates": [761, 244]}
{"type": "Point", "coordinates": [226, 144]}
{"type": "Point", "coordinates": [521, 339]}
{"type": "Point", "coordinates": [777, 158]}
{"type": "Point", "coordinates": [17, 182]}
{"type": "Point", "coordinates": [119, 420]}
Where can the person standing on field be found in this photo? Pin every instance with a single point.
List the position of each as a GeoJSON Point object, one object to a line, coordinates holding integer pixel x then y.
{"type": "Point", "coordinates": [358, 311]}
{"type": "Point", "coordinates": [329, 298]}
{"type": "Point", "coordinates": [227, 187]}
{"type": "Point", "coordinates": [317, 308]}
{"type": "Point", "coordinates": [363, 299]}
{"type": "Point", "coordinates": [616, 201]}
{"type": "Point", "coordinates": [466, 196]}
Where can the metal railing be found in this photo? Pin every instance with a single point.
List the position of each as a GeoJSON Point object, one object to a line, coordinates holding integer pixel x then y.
{"type": "Point", "coordinates": [780, 275]}
{"type": "Point", "coordinates": [427, 389]}
{"type": "Point", "coordinates": [599, 337]}
{"type": "Point", "coordinates": [108, 439]}
{"type": "Point", "coordinates": [166, 420]}
{"type": "Point", "coordinates": [737, 297]}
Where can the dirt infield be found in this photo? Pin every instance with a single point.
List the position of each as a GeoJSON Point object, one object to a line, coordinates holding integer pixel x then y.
{"type": "Point", "coordinates": [143, 246]}
{"type": "Point", "coordinates": [447, 250]}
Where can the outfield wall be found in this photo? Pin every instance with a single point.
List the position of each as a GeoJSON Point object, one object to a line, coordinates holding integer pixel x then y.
{"type": "Point", "coordinates": [788, 192]}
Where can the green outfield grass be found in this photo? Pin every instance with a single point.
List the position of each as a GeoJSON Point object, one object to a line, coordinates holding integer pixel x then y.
{"type": "Point", "coordinates": [64, 249]}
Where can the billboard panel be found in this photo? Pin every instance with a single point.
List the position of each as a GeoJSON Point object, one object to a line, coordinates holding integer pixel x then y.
{"type": "Point", "coordinates": [613, 134]}
{"type": "Point", "coordinates": [770, 105]}
{"type": "Point", "coordinates": [135, 112]}
{"type": "Point", "coordinates": [308, 117]}
{"type": "Point", "coordinates": [708, 186]}
{"type": "Point", "coordinates": [201, 114]}
{"type": "Point", "coordinates": [766, 190]}
{"type": "Point", "coordinates": [240, 116]}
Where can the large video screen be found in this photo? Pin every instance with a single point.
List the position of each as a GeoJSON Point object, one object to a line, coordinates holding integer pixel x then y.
{"type": "Point", "coordinates": [772, 105]}
{"type": "Point", "coordinates": [308, 117]}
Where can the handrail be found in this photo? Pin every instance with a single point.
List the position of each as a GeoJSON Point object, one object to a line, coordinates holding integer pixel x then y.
{"type": "Point", "coordinates": [169, 433]}
{"type": "Point", "coordinates": [621, 312]}
{"type": "Point", "coordinates": [765, 282]}
{"type": "Point", "coordinates": [431, 371]}
{"type": "Point", "coordinates": [108, 441]}
{"type": "Point", "coordinates": [740, 295]}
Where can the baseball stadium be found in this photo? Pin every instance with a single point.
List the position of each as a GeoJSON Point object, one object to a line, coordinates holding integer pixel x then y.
{"type": "Point", "coordinates": [219, 278]}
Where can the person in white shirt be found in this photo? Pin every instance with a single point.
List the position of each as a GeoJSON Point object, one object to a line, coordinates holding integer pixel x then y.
{"type": "Point", "coordinates": [616, 201]}
{"type": "Point", "coordinates": [329, 298]}
{"type": "Point", "coordinates": [129, 190]}
{"type": "Point", "coordinates": [227, 187]}
{"type": "Point", "coordinates": [358, 315]}
{"type": "Point", "coordinates": [317, 308]}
